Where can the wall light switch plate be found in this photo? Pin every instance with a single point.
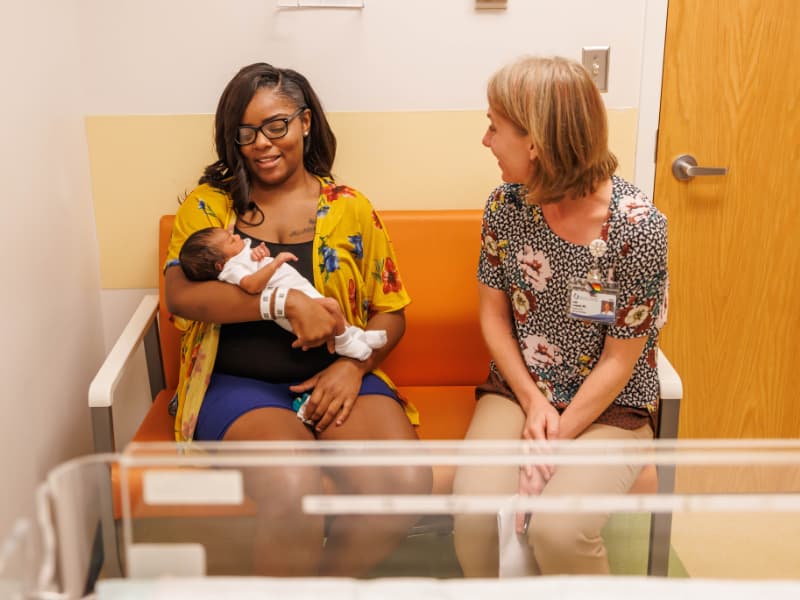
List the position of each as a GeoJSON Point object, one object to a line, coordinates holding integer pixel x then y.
{"type": "Point", "coordinates": [595, 59]}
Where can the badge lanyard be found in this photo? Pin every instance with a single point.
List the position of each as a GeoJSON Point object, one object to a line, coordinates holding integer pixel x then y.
{"type": "Point", "coordinates": [593, 298]}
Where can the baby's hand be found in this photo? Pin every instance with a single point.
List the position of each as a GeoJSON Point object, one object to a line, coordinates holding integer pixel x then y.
{"type": "Point", "coordinates": [259, 252]}
{"type": "Point", "coordinates": [283, 257]}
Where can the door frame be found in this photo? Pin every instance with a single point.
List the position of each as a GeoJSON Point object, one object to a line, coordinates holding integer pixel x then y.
{"type": "Point", "coordinates": [653, 40]}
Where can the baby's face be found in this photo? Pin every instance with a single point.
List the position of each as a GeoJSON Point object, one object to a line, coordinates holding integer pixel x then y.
{"type": "Point", "coordinates": [230, 244]}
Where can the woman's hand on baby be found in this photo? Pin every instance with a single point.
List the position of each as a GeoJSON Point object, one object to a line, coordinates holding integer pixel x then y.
{"type": "Point", "coordinates": [259, 252]}
{"type": "Point", "coordinates": [334, 394]}
{"type": "Point", "coordinates": [311, 322]}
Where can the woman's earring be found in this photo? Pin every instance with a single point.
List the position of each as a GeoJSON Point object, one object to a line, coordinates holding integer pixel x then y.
{"type": "Point", "coordinates": [305, 134]}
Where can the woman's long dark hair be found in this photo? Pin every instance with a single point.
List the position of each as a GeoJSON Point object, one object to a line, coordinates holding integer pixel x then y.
{"type": "Point", "coordinates": [229, 172]}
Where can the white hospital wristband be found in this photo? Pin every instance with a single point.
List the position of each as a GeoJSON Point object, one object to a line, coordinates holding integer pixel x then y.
{"type": "Point", "coordinates": [266, 300]}
{"type": "Point", "coordinates": [280, 302]}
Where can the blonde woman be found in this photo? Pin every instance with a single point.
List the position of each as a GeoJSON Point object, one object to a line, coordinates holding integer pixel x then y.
{"type": "Point", "coordinates": [572, 284]}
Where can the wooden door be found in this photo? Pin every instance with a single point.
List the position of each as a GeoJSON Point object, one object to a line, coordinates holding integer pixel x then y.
{"type": "Point", "coordinates": [731, 97]}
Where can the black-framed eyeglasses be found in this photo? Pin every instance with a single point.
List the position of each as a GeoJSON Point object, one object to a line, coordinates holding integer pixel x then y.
{"type": "Point", "coordinates": [274, 129]}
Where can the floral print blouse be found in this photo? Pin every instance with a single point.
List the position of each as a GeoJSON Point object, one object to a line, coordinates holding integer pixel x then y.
{"type": "Point", "coordinates": [522, 256]}
{"type": "Point", "coordinates": [356, 266]}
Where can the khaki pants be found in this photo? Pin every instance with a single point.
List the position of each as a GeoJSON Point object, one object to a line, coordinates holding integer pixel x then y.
{"type": "Point", "coordinates": [562, 543]}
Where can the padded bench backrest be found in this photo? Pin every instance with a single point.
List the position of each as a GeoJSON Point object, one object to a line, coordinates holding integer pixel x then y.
{"type": "Point", "coordinates": [437, 256]}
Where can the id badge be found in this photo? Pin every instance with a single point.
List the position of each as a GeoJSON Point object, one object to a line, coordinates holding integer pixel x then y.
{"type": "Point", "coordinates": [593, 300]}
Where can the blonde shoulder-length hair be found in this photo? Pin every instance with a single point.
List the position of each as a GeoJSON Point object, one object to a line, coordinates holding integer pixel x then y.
{"type": "Point", "coordinates": [554, 100]}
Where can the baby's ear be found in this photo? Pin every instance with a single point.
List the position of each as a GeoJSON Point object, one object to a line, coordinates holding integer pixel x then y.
{"type": "Point", "coordinates": [218, 266]}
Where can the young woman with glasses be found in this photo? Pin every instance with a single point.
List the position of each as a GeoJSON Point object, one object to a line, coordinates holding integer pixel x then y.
{"type": "Point", "coordinates": [241, 373]}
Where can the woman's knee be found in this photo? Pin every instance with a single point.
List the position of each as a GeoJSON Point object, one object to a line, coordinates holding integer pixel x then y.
{"type": "Point", "coordinates": [558, 540]}
{"type": "Point", "coordinates": [282, 488]}
{"type": "Point", "coordinates": [494, 479]}
{"type": "Point", "coordinates": [408, 479]}
{"type": "Point", "coordinates": [412, 479]}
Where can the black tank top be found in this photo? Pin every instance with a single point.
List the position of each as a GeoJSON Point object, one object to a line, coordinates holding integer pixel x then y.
{"type": "Point", "coordinates": [263, 350]}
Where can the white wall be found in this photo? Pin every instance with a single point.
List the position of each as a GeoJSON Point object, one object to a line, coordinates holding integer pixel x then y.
{"type": "Point", "coordinates": [174, 57]}
{"type": "Point", "coordinates": [51, 335]}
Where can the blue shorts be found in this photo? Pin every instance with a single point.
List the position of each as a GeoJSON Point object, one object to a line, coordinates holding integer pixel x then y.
{"type": "Point", "coordinates": [229, 397]}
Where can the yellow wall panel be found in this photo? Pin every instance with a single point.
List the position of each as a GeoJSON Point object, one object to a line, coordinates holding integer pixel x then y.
{"type": "Point", "coordinates": [142, 165]}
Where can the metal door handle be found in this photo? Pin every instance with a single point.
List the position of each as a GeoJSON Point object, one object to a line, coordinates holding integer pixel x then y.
{"type": "Point", "coordinates": [685, 168]}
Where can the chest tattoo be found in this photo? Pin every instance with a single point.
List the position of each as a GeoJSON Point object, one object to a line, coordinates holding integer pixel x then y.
{"type": "Point", "coordinates": [305, 231]}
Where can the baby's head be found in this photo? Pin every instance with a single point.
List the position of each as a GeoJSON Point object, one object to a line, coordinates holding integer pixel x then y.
{"type": "Point", "coordinates": [206, 251]}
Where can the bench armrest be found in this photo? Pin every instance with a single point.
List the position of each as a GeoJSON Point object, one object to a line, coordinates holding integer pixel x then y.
{"type": "Point", "coordinates": [668, 378]}
{"type": "Point", "coordinates": [671, 393]}
{"type": "Point", "coordinates": [141, 329]}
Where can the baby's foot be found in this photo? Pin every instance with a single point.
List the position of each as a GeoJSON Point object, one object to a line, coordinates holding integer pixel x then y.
{"type": "Point", "coordinates": [375, 338]}
{"type": "Point", "coordinates": [352, 344]}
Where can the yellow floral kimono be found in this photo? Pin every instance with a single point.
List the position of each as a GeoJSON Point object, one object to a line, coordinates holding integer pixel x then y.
{"type": "Point", "coordinates": [355, 265]}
